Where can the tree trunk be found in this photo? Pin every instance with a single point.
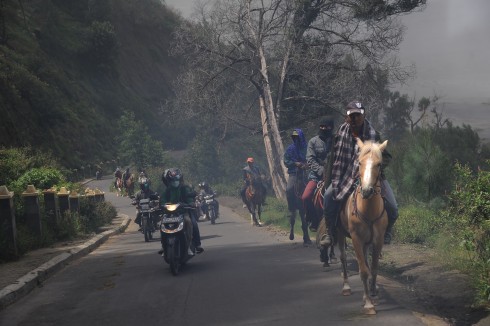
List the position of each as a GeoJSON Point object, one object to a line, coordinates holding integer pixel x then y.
{"type": "Point", "coordinates": [277, 182]}
{"type": "Point", "coordinates": [274, 155]}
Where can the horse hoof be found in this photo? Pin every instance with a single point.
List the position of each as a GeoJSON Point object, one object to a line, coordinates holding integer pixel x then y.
{"type": "Point", "coordinates": [369, 311]}
{"type": "Point", "coordinates": [346, 292]}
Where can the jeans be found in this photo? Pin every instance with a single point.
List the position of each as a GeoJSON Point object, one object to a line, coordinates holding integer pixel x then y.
{"type": "Point", "coordinates": [307, 199]}
{"type": "Point", "coordinates": [331, 207]}
{"type": "Point", "coordinates": [196, 236]}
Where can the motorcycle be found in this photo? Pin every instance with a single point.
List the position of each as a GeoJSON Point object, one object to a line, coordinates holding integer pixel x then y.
{"type": "Point", "coordinates": [176, 231]}
{"type": "Point", "coordinates": [148, 209]}
{"type": "Point", "coordinates": [207, 204]}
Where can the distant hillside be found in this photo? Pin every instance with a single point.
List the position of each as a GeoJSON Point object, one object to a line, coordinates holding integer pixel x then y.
{"type": "Point", "coordinates": [477, 115]}
{"type": "Point", "coordinates": [68, 68]}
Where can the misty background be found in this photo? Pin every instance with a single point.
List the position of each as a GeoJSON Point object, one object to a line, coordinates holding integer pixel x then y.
{"type": "Point", "coordinates": [449, 45]}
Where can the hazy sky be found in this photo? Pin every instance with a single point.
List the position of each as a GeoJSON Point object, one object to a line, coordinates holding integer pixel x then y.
{"type": "Point", "coordinates": [449, 43]}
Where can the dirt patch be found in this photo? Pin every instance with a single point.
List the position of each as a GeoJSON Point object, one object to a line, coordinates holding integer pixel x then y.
{"type": "Point", "coordinates": [417, 280]}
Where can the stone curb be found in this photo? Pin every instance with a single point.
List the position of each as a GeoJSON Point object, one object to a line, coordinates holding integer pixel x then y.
{"type": "Point", "coordinates": [28, 282]}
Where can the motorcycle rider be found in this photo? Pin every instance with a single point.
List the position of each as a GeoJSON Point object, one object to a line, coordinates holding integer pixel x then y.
{"type": "Point", "coordinates": [178, 192]}
{"type": "Point", "coordinates": [144, 193]}
{"type": "Point", "coordinates": [204, 190]}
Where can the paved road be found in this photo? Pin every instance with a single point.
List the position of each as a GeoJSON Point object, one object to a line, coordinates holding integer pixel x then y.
{"type": "Point", "coordinates": [246, 276]}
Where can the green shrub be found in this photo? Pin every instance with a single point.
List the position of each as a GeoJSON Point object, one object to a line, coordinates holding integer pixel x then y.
{"type": "Point", "coordinates": [41, 178]}
{"type": "Point", "coordinates": [93, 215]}
{"type": "Point", "coordinates": [68, 226]}
{"type": "Point", "coordinates": [469, 211]}
{"type": "Point", "coordinates": [418, 224]}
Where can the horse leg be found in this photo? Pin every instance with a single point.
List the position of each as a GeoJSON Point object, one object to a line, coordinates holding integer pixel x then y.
{"type": "Point", "coordinates": [361, 251]}
{"type": "Point", "coordinates": [292, 220]}
{"type": "Point", "coordinates": [304, 228]}
{"type": "Point", "coordinates": [259, 212]}
{"type": "Point", "coordinates": [346, 290]}
{"type": "Point", "coordinates": [376, 253]}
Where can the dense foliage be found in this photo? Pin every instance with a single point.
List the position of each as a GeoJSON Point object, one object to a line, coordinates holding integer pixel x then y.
{"type": "Point", "coordinates": [468, 214]}
{"type": "Point", "coordinates": [67, 72]}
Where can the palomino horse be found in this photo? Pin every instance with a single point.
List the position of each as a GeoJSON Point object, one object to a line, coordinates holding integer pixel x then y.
{"type": "Point", "coordinates": [129, 185]}
{"type": "Point", "coordinates": [119, 186]}
{"type": "Point", "coordinates": [364, 218]}
{"type": "Point", "coordinates": [254, 195]}
{"type": "Point", "coordinates": [299, 188]}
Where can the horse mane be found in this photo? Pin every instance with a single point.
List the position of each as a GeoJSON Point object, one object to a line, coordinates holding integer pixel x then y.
{"type": "Point", "coordinates": [370, 147]}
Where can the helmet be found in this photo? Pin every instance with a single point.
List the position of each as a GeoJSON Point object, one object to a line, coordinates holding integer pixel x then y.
{"type": "Point", "coordinates": [174, 177]}
{"type": "Point", "coordinates": [144, 184]}
{"type": "Point", "coordinates": [250, 160]}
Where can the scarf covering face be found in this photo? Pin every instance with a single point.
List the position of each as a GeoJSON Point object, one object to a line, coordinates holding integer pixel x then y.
{"type": "Point", "coordinates": [346, 164]}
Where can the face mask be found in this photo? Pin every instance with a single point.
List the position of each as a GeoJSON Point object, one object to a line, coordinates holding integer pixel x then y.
{"type": "Point", "coordinates": [175, 184]}
{"type": "Point", "coordinates": [325, 133]}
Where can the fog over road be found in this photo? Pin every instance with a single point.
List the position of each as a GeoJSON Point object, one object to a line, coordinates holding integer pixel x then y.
{"type": "Point", "coordinates": [246, 276]}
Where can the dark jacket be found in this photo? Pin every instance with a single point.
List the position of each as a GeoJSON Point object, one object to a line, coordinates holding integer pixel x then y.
{"type": "Point", "coordinates": [296, 152]}
{"type": "Point", "coordinates": [316, 155]}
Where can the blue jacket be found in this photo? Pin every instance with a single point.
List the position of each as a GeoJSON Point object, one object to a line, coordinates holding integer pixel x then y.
{"type": "Point", "coordinates": [296, 152]}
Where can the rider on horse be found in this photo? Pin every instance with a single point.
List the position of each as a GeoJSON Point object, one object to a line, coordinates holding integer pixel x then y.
{"type": "Point", "coordinates": [316, 154]}
{"type": "Point", "coordinates": [126, 175]}
{"type": "Point", "coordinates": [295, 161]}
{"type": "Point", "coordinates": [345, 169]}
{"type": "Point", "coordinates": [117, 175]}
{"type": "Point", "coordinates": [251, 171]}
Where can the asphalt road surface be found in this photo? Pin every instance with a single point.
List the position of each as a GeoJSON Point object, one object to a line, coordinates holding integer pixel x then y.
{"type": "Point", "coordinates": [246, 276]}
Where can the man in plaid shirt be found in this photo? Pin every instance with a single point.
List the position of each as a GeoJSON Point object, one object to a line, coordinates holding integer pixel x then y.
{"type": "Point", "coordinates": [345, 169]}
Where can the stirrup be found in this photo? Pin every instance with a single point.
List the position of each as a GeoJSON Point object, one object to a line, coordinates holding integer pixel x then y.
{"type": "Point", "coordinates": [325, 240]}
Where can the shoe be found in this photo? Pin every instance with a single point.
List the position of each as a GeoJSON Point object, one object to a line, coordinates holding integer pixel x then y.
{"type": "Point", "coordinates": [325, 240]}
{"type": "Point", "coordinates": [244, 206]}
{"type": "Point", "coordinates": [190, 252]}
{"type": "Point", "coordinates": [199, 249]}
{"type": "Point", "coordinates": [160, 252]}
{"type": "Point", "coordinates": [387, 239]}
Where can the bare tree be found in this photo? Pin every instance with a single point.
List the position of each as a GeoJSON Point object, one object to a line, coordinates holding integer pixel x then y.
{"type": "Point", "coordinates": [293, 52]}
{"type": "Point", "coordinates": [422, 105]}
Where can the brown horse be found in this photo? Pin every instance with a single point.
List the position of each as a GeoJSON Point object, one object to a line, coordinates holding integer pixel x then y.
{"type": "Point", "coordinates": [364, 218]}
{"type": "Point", "coordinates": [119, 185]}
{"type": "Point", "coordinates": [129, 185]}
{"type": "Point", "coordinates": [254, 196]}
{"type": "Point", "coordinates": [296, 204]}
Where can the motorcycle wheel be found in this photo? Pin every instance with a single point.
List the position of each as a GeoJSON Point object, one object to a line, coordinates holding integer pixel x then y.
{"type": "Point", "coordinates": [174, 258]}
{"type": "Point", "coordinates": [146, 229]}
{"type": "Point", "coordinates": [212, 215]}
